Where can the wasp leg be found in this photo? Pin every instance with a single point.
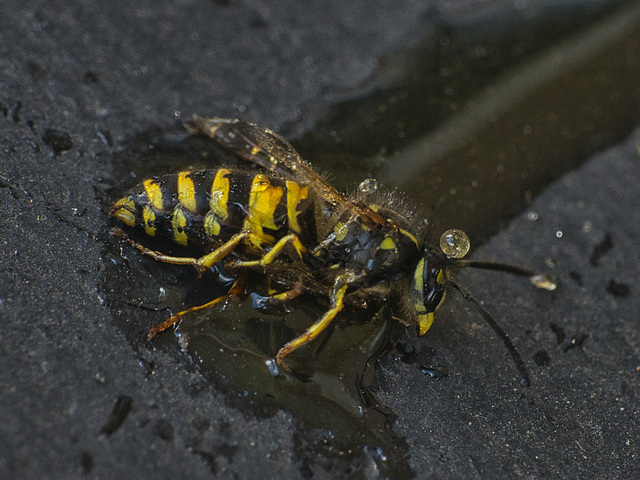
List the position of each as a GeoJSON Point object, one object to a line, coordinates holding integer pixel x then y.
{"type": "Point", "coordinates": [337, 302]}
{"type": "Point", "coordinates": [272, 254]}
{"type": "Point", "coordinates": [235, 289]}
{"type": "Point", "coordinates": [290, 294]}
{"type": "Point", "coordinates": [274, 299]}
{"type": "Point", "coordinates": [201, 264]}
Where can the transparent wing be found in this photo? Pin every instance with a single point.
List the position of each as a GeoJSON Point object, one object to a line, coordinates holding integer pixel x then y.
{"type": "Point", "coordinates": [270, 151]}
{"type": "Point", "coordinates": [265, 148]}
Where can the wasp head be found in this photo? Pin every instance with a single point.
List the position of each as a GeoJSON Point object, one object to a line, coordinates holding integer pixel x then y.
{"type": "Point", "coordinates": [431, 276]}
{"type": "Point", "coordinates": [428, 286]}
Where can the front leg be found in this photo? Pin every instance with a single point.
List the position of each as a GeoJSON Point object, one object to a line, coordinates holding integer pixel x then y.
{"type": "Point", "coordinates": [338, 292]}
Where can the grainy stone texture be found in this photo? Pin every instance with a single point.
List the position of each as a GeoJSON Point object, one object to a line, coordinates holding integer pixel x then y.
{"type": "Point", "coordinates": [78, 78]}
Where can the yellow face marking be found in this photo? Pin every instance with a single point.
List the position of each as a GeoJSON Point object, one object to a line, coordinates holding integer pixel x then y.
{"type": "Point", "coordinates": [178, 223]}
{"type": "Point", "coordinates": [295, 194]}
{"type": "Point", "coordinates": [411, 237]}
{"type": "Point", "coordinates": [341, 230]}
{"type": "Point", "coordinates": [220, 194]}
{"type": "Point", "coordinates": [424, 322]}
{"type": "Point", "coordinates": [154, 193]}
{"type": "Point", "coordinates": [440, 277]}
{"type": "Point", "coordinates": [186, 192]}
{"type": "Point", "coordinates": [124, 210]}
{"type": "Point", "coordinates": [263, 200]}
{"type": "Point", "coordinates": [148, 217]}
{"type": "Point", "coordinates": [211, 224]}
{"type": "Point", "coordinates": [388, 244]}
{"type": "Point", "coordinates": [418, 279]}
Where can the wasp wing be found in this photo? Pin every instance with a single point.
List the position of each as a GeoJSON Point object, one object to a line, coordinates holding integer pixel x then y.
{"type": "Point", "coordinates": [264, 148]}
{"type": "Point", "coordinates": [272, 152]}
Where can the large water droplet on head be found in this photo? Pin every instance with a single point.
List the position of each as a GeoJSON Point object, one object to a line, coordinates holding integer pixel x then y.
{"type": "Point", "coordinates": [455, 243]}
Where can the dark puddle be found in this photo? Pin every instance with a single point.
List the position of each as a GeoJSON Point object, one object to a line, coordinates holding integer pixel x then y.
{"type": "Point", "coordinates": [492, 107]}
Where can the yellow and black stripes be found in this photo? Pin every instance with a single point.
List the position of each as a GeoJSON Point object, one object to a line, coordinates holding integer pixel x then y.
{"type": "Point", "coordinates": [207, 207]}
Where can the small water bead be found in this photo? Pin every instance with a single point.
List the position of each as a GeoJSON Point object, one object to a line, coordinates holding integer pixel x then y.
{"type": "Point", "coordinates": [272, 366]}
{"type": "Point", "coordinates": [368, 185]}
{"type": "Point", "coordinates": [455, 243]}
{"type": "Point", "coordinates": [545, 282]}
{"type": "Point", "coordinates": [217, 196]}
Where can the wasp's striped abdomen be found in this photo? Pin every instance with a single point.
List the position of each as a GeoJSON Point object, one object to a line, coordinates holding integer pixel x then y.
{"type": "Point", "coordinates": [203, 208]}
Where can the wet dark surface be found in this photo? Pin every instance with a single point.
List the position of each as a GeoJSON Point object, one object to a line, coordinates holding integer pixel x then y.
{"type": "Point", "coordinates": [475, 129]}
{"type": "Point", "coordinates": [83, 393]}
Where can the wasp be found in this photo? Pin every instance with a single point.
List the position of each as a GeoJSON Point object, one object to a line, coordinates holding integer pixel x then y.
{"type": "Point", "coordinates": [288, 222]}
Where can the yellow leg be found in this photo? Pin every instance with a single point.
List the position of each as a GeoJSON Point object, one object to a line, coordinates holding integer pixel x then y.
{"type": "Point", "coordinates": [201, 264]}
{"type": "Point", "coordinates": [235, 289]}
{"type": "Point", "coordinates": [260, 302]}
{"type": "Point", "coordinates": [337, 302]}
{"type": "Point", "coordinates": [272, 254]}
{"type": "Point", "coordinates": [290, 294]}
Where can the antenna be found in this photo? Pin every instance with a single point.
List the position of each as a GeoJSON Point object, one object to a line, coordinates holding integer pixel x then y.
{"type": "Point", "coordinates": [506, 340]}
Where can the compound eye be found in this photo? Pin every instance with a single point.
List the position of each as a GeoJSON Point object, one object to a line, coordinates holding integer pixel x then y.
{"type": "Point", "coordinates": [455, 243]}
{"type": "Point", "coordinates": [427, 291]}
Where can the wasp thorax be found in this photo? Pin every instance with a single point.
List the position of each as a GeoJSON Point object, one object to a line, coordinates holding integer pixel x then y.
{"type": "Point", "coordinates": [455, 243]}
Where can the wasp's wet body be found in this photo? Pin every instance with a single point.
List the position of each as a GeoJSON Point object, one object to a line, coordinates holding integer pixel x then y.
{"type": "Point", "coordinates": [203, 226]}
{"type": "Point", "coordinates": [206, 208]}
{"type": "Point", "coordinates": [286, 221]}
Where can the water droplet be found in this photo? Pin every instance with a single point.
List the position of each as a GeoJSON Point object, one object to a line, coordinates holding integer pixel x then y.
{"type": "Point", "coordinates": [183, 340]}
{"type": "Point", "coordinates": [368, 186]}
{"type": "Point", "coordinates": [272, 366]}
{"type": "Point", "coordinates": [455, 243]}
{"type": "Point", "coordinates": [559, 233]}
{"type": "Point", "coordinates": [545, 282]}
{"type": "Point", "coordinates": [381, 454]}
{"type": "Point", "coordinates": [533, 216]}
{"type": "Point", "coordinates": [217, 195]}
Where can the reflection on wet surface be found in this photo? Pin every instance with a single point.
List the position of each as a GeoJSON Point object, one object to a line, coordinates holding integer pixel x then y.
{"type": "Point", "coordinates": [475, 128]}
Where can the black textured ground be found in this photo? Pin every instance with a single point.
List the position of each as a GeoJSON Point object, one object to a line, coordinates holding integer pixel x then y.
{"type": "Point", "coordinates": [79, 399]}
